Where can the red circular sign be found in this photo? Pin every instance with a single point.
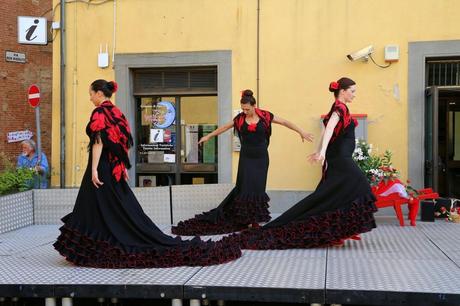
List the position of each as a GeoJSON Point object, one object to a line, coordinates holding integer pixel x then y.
{"type": "Point", "coordinates": [34, 95]}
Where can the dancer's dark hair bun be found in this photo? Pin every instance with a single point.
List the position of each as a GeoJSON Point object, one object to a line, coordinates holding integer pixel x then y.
{"type": "Point", "coordinates": [107, 88]}
{"type": "Point", "coordinates": [112, 86]}
{"type": "Point", "coordinates": [247, 96]}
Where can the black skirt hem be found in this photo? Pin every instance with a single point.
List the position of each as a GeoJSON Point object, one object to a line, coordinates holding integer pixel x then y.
{"type": "Point", "coordinates": [252, 198]}
{"type": "Point", "coordinates": [93, 250]}
{"type": "Point", "coordinates": [315, 231]}
{"type": "Point", "coordinates": [236, 217]}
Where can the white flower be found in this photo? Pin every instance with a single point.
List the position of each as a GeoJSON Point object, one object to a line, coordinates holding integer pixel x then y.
{"type": "Point", "coordinates": [376, 172]}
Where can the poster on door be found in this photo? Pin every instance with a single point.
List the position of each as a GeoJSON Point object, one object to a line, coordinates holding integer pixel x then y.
{"type": "Point", "coordinates": [156, 135]}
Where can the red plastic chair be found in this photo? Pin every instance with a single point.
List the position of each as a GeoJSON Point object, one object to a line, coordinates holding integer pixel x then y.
{"type": "Point", "coordinates": [395, 200]}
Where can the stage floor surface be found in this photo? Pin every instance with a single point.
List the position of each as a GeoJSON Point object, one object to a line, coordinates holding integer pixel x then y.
{"type": "Point", "coordinates": [391, 265]}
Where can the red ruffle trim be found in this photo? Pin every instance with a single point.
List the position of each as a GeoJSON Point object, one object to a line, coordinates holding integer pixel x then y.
{"type": "Point", "coordinates": [315, 231]}
{"type": "Point", "coordinates": [83, 250]}
{"type": "Point", "coordinates": [236, 217]}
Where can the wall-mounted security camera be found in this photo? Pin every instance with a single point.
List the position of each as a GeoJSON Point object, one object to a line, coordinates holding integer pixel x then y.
{"type": "Point", "coordinates": [361, 54]}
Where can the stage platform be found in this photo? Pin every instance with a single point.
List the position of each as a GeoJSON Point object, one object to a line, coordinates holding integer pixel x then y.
{"type": "Point", "coordinates": [392, 265]}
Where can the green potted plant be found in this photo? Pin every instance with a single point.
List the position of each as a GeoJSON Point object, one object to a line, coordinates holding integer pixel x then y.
{"type": "Point", "coordinates": [14, 179]}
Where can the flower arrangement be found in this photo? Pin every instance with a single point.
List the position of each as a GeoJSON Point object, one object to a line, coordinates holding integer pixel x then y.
{"type": "Point", "coordinates": [377, 168]}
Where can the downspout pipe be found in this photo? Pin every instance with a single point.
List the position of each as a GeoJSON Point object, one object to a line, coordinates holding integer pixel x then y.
{"type": "Point", "coordinates": [258, 52]}
{"type": "Point", "coordinates": [62, 93]}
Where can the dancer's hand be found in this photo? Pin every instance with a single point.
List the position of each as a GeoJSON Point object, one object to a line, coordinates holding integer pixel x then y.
{"type": "Point", "coordinates": [95, 179]}
{"type": "Point", "coordinates": [312, 158]}
{"type": "Point", "coordinates": [306, 136]}
{"type": "Point", "coordinates": [126, 175]}
{"type": "Point", "coordinates": [203, 139]}
{"type": "Point", "coordinates": [316, 157]}
{"type": "Point", "coordinates": [321, 159]}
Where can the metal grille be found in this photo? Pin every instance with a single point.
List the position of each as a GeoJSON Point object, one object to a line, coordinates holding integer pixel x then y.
{"type": "Point", "coordinates": [175, 80]}
{"type": "Point", "coordinates": [203, 79]}
{"type": "Point", "coordinates": [443, 72]}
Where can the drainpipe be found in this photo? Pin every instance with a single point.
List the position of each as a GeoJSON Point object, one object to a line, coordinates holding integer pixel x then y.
{"type": "Point", "coordinates": [62, 94]}
{"type": "Point", "coordinates": [75, 167]}
{"type": "Point", "coordinates": [258, 51]}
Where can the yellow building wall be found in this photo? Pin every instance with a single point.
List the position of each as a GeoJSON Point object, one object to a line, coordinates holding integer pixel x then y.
{"type": "Point", "coordinates": [303, 47]}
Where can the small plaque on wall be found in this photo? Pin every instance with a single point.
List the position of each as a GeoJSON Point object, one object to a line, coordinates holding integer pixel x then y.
{"type": "Point", "coordinates": [16, 57]}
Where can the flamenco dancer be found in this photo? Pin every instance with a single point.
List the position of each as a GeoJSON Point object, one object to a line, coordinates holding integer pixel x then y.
{"type": "Point", "coordinates": [247, 204]}
{"type": "Point", "coordinates": [341, 207]}
{"type": "Point", "coordinates": [107, 227]}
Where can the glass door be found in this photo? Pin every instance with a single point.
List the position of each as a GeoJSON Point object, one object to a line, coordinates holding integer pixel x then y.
{"type": "Point", "coordinates": [168, 152]}
{"type": "Point", "coordinates": [453, 145]}
{"type": "Point", "coordinates": [431, 137]}
{"type": "Point", "coordinates": [156, 141]}
{"type": "Point", "coordinates": [442, 140]}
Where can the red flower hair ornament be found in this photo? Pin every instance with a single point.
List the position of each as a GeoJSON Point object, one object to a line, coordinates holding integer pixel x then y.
{"type": "Point", "coordinates": [334, 85]}
{"type": "Point", "coordinates": [115, 86]}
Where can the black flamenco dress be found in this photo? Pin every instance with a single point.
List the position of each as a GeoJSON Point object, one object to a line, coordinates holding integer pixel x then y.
{"type": "Point", "coordinates": [108, 228]}
{"type": "Point", "coordinates": [342, 205]}
{"type": "Point", "coordinates": [247, 203]}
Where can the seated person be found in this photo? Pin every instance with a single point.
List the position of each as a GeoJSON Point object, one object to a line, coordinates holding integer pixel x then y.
{"type": "Point", "coordinates": [30, 159]}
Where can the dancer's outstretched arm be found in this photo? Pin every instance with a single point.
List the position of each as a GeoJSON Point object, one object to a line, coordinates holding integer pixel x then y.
{"type": "Point", "coordinates": [216, 132]}
{"type": "Point", "coordinates": [292, 126]}
{"type": "Point", "coordinates": [320, 155]}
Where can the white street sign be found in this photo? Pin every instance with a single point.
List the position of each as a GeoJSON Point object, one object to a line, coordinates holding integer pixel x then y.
{"type": "Point", "coordinates": [17, 57]}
